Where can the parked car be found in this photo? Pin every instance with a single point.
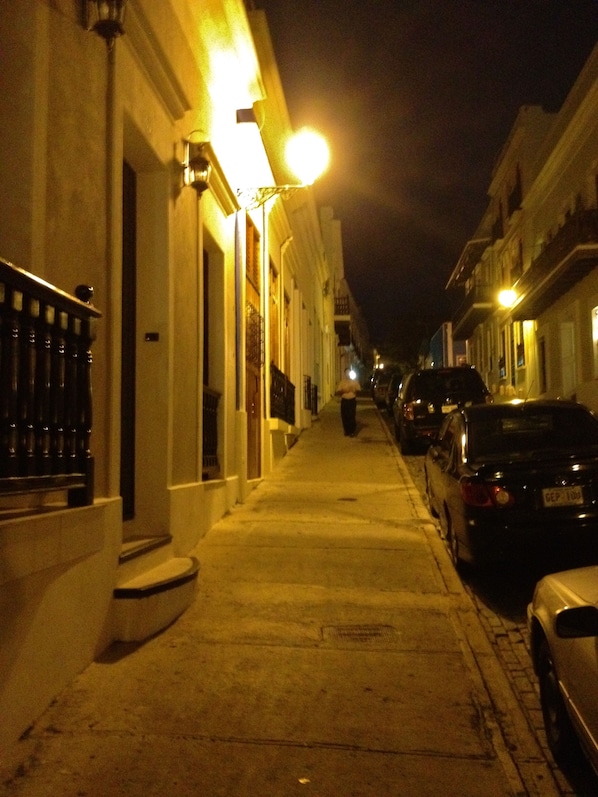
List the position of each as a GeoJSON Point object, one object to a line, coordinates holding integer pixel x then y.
{"type": "Point", "coordinates": [563, 626]}
{"type": "Point", "coordinates": [380, 387]}
{"type": "Point", "coordinates": [392, 390]}
{"type": "Point", "coordinates": [510, 479]}
{"type": "Point", "coordinates": [426, 396]}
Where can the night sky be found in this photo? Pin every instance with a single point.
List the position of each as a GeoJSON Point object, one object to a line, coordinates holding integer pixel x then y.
{"type": "Point", "coordinates": [416, 98]}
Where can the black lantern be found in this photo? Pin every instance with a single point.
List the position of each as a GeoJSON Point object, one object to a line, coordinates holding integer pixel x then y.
{"type": "Point", "coordinates": [197, 167]}
{"type": "Point", "coordinates": [106, 18]}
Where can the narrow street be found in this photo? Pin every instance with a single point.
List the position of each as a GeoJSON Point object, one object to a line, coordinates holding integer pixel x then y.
{"type": "Point", "coordinates": [331, 650]}
{"type": "Point", "coordinates": [501, 596]}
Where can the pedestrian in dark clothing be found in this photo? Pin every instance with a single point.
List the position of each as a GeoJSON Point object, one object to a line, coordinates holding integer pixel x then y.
{"type": "Point", "coordinates": [347, 389]}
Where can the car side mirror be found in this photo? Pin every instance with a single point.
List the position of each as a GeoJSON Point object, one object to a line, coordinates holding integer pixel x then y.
{"type": "Point", "coordinates": [577, 622]}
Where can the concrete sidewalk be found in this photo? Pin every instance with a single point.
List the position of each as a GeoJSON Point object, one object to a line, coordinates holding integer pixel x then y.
{"type": "Point", "coordinates": [331, 650]}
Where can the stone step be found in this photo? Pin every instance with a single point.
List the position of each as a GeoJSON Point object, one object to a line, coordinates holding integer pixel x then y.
{"type": "Point", "coordinates": [140, 554]}
{"type": "Point", "coordinates": [150, 601]}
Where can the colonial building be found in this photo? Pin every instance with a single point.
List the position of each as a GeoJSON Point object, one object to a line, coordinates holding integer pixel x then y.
{"type": "Point", "coordinates": [354, 349]}
{"type": "Point", "coordinates": [136, 233]}
{"type": "Point", "coordinates": [529, 275]}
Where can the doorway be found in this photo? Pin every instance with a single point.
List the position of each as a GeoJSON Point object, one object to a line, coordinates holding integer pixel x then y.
{"type": "Point", "coordinates": [128, 337]}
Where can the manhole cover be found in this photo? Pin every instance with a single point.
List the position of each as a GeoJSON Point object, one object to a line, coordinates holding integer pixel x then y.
{"type": "Point", "coordinates": [358, 633]}
{"type": "Point", "coordinates": [347, 499]}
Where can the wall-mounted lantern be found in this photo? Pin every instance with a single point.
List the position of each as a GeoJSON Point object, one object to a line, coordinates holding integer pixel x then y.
{"type": "Point", "coordinates": [196, 166]}
{"type": "Point", "coordinates": [106, 18]}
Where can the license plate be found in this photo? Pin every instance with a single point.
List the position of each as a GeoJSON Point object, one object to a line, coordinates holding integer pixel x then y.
{"type": "Point", "coordinates": [446, 408]}
{"type": "Point", "coordinates": [562, 496]}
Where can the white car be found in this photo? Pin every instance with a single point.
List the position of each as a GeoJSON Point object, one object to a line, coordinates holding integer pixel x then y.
{"type": "Point", "coordinates": [563, 626]}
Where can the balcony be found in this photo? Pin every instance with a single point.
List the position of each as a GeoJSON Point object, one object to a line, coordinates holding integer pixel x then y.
{"type": "Point", "coordinates": [567, 259]}
{"type": "Point", "coordinates": [45, 388]}
{"type": "Point", "coordinates": [342, 320]}
{"type": "Point", "coordinates": [282, 396]}
{"type": "Point", "coordinates": [476, 307]}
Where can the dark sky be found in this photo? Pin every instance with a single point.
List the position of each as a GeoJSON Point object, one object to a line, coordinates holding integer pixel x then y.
{"type": "Point", "coordinates": [416, 98]}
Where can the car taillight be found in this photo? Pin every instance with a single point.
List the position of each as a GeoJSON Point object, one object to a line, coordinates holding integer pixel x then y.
{"type": "Point", "coordinates": [408, 413]}
{"type": "Point", "coordinates": [480, 494]}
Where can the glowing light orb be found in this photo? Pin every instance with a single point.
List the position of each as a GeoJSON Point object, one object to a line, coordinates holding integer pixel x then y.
{"type": "Point", "coordinates": [507, 298]}
{"type": "Point", "coordinates": [307, 155]}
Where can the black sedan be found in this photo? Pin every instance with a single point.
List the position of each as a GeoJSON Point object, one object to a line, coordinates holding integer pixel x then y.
{"type": "Point", "coordinates": [507, 480]}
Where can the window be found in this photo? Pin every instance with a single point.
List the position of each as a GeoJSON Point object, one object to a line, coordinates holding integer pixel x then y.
{"type": "Point", "coordinates": [253, 255]}
{"type": "Point", "coordinates": [519, 344]}
{"type": "Point", "coordinates": [502, 360]}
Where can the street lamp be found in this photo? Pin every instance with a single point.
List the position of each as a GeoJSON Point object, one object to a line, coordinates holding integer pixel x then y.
{"type": "Point", "coordinates": [106, 18]}
{"type": "Point", "coordinates": [507, 298]}
{"type": "Point", "coordinates": [307, 155]}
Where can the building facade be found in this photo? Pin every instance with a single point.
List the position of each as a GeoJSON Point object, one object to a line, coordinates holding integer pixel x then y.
{"type": "Point", "coordinates": [530, 273]}
{"type": "Point", "coordinates": [210, 325]}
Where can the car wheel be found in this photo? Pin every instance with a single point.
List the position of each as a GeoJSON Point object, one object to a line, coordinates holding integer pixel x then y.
{"type": "Point", "coordinates": [560, 734]}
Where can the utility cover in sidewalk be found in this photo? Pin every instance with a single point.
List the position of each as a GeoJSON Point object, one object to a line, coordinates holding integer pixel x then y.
{"type": "Point", "coordinates": [357, 633]}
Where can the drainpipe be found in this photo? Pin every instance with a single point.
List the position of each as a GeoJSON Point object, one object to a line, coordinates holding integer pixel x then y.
{"type": "Point", "coordinates": [283, 248]}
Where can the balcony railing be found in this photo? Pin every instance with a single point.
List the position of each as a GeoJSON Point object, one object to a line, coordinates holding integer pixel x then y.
{"type": "Point", "coordinates": [45, 388]}
{"type": "Point", "coordinates": [342, 320]}
{"type": "Point", "coordinates": [210, 464]}
{"type": "Point", "coordinates": [282, 396]}
{"type": "Point", "coordinates": [474, 309]}
{"type": "Point", "coordinates": [566, 259]}
{"type": "Point", "coordinates": [341, 305]}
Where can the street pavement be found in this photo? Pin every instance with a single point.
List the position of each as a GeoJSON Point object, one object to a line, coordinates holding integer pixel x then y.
{"type": "Point", "coordinates": [331, 650]}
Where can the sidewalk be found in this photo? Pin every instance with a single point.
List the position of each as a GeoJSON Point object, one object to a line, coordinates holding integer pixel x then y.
{"type": "Point", "coordinates": [331, 650]}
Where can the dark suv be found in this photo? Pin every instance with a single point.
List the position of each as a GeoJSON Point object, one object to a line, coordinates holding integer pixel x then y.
{"type": "Point", "coordinates": [426, 396]}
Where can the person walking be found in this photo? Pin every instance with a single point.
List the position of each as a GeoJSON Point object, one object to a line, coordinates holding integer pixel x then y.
{"type": "Point", "coordinates": [347, 389]}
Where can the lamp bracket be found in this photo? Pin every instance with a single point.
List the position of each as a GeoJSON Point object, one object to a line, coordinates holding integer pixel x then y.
{"type": "Point", "coordinates": [251, 198]}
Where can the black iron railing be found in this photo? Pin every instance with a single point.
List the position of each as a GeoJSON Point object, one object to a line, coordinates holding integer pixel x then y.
{"type": "Point", "coordinates": [566, 258]}
{"type": "Point", "coordinates": [45, 387]}
{"type": "Point", "coordinates": [475, 307]}
{"type": "Point", "coordinates": [310, 395]}
{"type": "Point", "coordinates": [314, 399]}
{"type": "Point", "coordinates": [579, 229]}
{"type": "Point", "coordinates": [282, 396]}
{"type": "Point", "coordinates": [211, 466]}
{"type": "Point", "coordinates": [341, 305]}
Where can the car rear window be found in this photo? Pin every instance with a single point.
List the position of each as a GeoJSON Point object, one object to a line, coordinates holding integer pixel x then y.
{"type": "Point", "coordinates": [434, 384]}
{"type": "Point", "coordinates": [532, 432]}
